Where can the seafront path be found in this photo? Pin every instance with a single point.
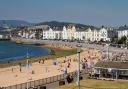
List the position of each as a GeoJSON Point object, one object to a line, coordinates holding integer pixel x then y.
{"type": "Point", "coordinates": [14, 75]}
{"type": "Point", "coordinates": [84, 45]}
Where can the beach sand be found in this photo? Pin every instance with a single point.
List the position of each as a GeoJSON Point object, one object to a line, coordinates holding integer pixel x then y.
{"type": "Point", "coordinates": [13, 75]}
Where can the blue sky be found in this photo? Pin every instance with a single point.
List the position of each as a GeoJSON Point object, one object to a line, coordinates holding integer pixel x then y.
{"type": "Point", "coordinates": [91, 12]}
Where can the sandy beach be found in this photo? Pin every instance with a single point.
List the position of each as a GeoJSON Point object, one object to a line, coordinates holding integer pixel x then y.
{"type": "Point", "coordinates": [48, 68]}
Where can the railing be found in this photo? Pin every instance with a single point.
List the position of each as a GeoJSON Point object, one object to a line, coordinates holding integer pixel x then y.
{"type": "Point", "coordinates": [39, 82]}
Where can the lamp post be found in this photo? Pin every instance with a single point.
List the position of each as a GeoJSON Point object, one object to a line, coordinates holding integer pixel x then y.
{"type": "Point", "coordinates": [27, 64]}
{"type": "Point", "coordinates": [27, 56]}
{"type": "Point", "coordinates": [108, 52]}
{"type": "Point", "coordinates": [78, 75]}
{"type": "Point", "coordinates": [127, 42]}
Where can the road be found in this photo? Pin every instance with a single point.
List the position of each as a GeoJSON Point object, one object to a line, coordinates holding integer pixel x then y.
{"type": "Point", "coordinates": [85, 45]}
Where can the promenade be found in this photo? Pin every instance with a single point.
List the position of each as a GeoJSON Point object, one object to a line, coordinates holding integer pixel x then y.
{"type": "Point", "coordinates": [73, 44]}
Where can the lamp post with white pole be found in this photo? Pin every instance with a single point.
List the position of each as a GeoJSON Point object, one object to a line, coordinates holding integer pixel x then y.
{"type": "Point", "coordinates": [108, 58]}
{"type": "Point", "coordinates": [27, 64]}
{"type": "Point", "coordinates": [27, 56]}
{"type": "Point", "coordinates": [78, 75]}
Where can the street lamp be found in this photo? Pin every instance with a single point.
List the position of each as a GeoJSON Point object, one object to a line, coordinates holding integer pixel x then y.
{"type": "Point", "coordinates": [27, 57]}
{"type": "Point", "coordinates": [78, 75]}
{"type": "Point", "coordinates": [108, 58]}
{"type": "Point", "coordinates": [127, 42]}
{"type": "Point", "coordinates": [108, 52]}
{"type": "Point", "coordinates": [27, 64]}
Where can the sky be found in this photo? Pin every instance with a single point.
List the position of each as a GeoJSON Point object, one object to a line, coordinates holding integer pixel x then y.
{"type": "Point", "coordinates": [89, 12]}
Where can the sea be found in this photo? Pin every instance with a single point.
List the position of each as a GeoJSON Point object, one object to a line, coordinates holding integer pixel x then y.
{"type": "Point", "coordinates": [11, 51]}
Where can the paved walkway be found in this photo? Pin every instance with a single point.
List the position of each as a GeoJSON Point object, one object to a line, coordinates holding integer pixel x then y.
{"type": "Point", "coordinates": [84, 45]}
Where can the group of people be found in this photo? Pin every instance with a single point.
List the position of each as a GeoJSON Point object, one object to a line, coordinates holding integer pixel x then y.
{"type": "Point", "coordinates": [65, 63]}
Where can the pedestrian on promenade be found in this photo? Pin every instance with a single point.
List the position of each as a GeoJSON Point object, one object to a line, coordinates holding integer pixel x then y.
{"type": "Point", "coordinates": [43, 61]}
{"type": "Point", "coordinates": [68, 65]}
{"type": "Point", "coordinates": [64, 61]}
{"type": "Point", "coordinates": [20, 66]}
{"type": "Point", "coordinates": [20, 69]}
{"type": "Point", "coordinates": [46, 69]}
{"type": "Point", "coordinates": [12, 69]}
{"type": "Point", "coordinates": [70, 60]}
{"type": "Point", "coordinates": [65, 71]}
{"type": "Point", "coordinates": [39, 61]}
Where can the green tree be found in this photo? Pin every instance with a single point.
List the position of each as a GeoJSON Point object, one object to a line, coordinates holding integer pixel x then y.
{"type": "Point", "coordinates": [72, 38]}
{"type": "Point", "coordinates": [101, 40]}
{"type": "Point", "coordinates": [83, 37]}
{"type": "Point", "coordinates": [37, 35]}
{"type": "Point", "coordinates": [114, 39]}
{"type": "Point", "coordinates": [122, 40]}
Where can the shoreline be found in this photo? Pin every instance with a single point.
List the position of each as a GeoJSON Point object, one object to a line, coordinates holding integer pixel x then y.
{"type": "Point", "coordinates": [47, 69]}
{"type": "Point", "coordinates": [9, 59]}
{"type": "Point", "coordinates": [49, 56]}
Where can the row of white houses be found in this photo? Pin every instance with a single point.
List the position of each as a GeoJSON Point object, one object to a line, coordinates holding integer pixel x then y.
{"type": "Point", "coordinates": [122, 31]}
{"type": "Point", "coordinates": [65, 33]}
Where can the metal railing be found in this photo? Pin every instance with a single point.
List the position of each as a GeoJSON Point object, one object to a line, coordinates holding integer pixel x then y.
{"type": "Point", "coordinates": [39, 82]}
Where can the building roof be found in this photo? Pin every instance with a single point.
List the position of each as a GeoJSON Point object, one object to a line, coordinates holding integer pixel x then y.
{"type": "Point", "coordinates": [110, 64]}
{"type": "Point", "coordinates": [4, 33]}
{"type": "Point", "coordinates": [57, 28]}
{"type": "Point", "coordinates": [38, 27]}
{"type": "Point", "coordinates": [125, 27]}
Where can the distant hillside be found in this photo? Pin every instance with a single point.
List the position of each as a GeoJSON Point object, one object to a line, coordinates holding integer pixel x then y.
{"type": "Point", "coordinates": [4, 24]}
{"type": "Point", "coordinates": [13, 23]}
{"type": "Point", "coordinates": [61, 24]}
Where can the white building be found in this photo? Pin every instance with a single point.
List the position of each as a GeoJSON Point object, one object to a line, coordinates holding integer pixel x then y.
{"type": "Point", "coordinates": [69, 32]}
{"type": "Point", "coordinates": [24, 33]}
{"type": "Point", "coordinates": [103, 34]}
{"type": "Point", "coordinates": [64, 33]}
{"type": "Point", "coordinates": [122, 31]}
{"type": "Point", "coordinates": [51, 34]}
{"type": "Point", "coordinates": [1, 36]}
{"type": "Point", "coordinates": [93, 35]}
{"type": "Point", "coordinates": [84, 34]}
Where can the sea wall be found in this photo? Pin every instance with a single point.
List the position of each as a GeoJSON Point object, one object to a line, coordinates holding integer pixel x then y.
{"type": "Point", "coordinates": [29, 41]}
{"type": "Point", "coordinates": [20, 40]}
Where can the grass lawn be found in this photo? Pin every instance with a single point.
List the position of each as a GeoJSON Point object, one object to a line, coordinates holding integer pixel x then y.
{"type": "Point", "coordinates": [55, 53]}
{"type": "Point", "coordinates": [97, 84]}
